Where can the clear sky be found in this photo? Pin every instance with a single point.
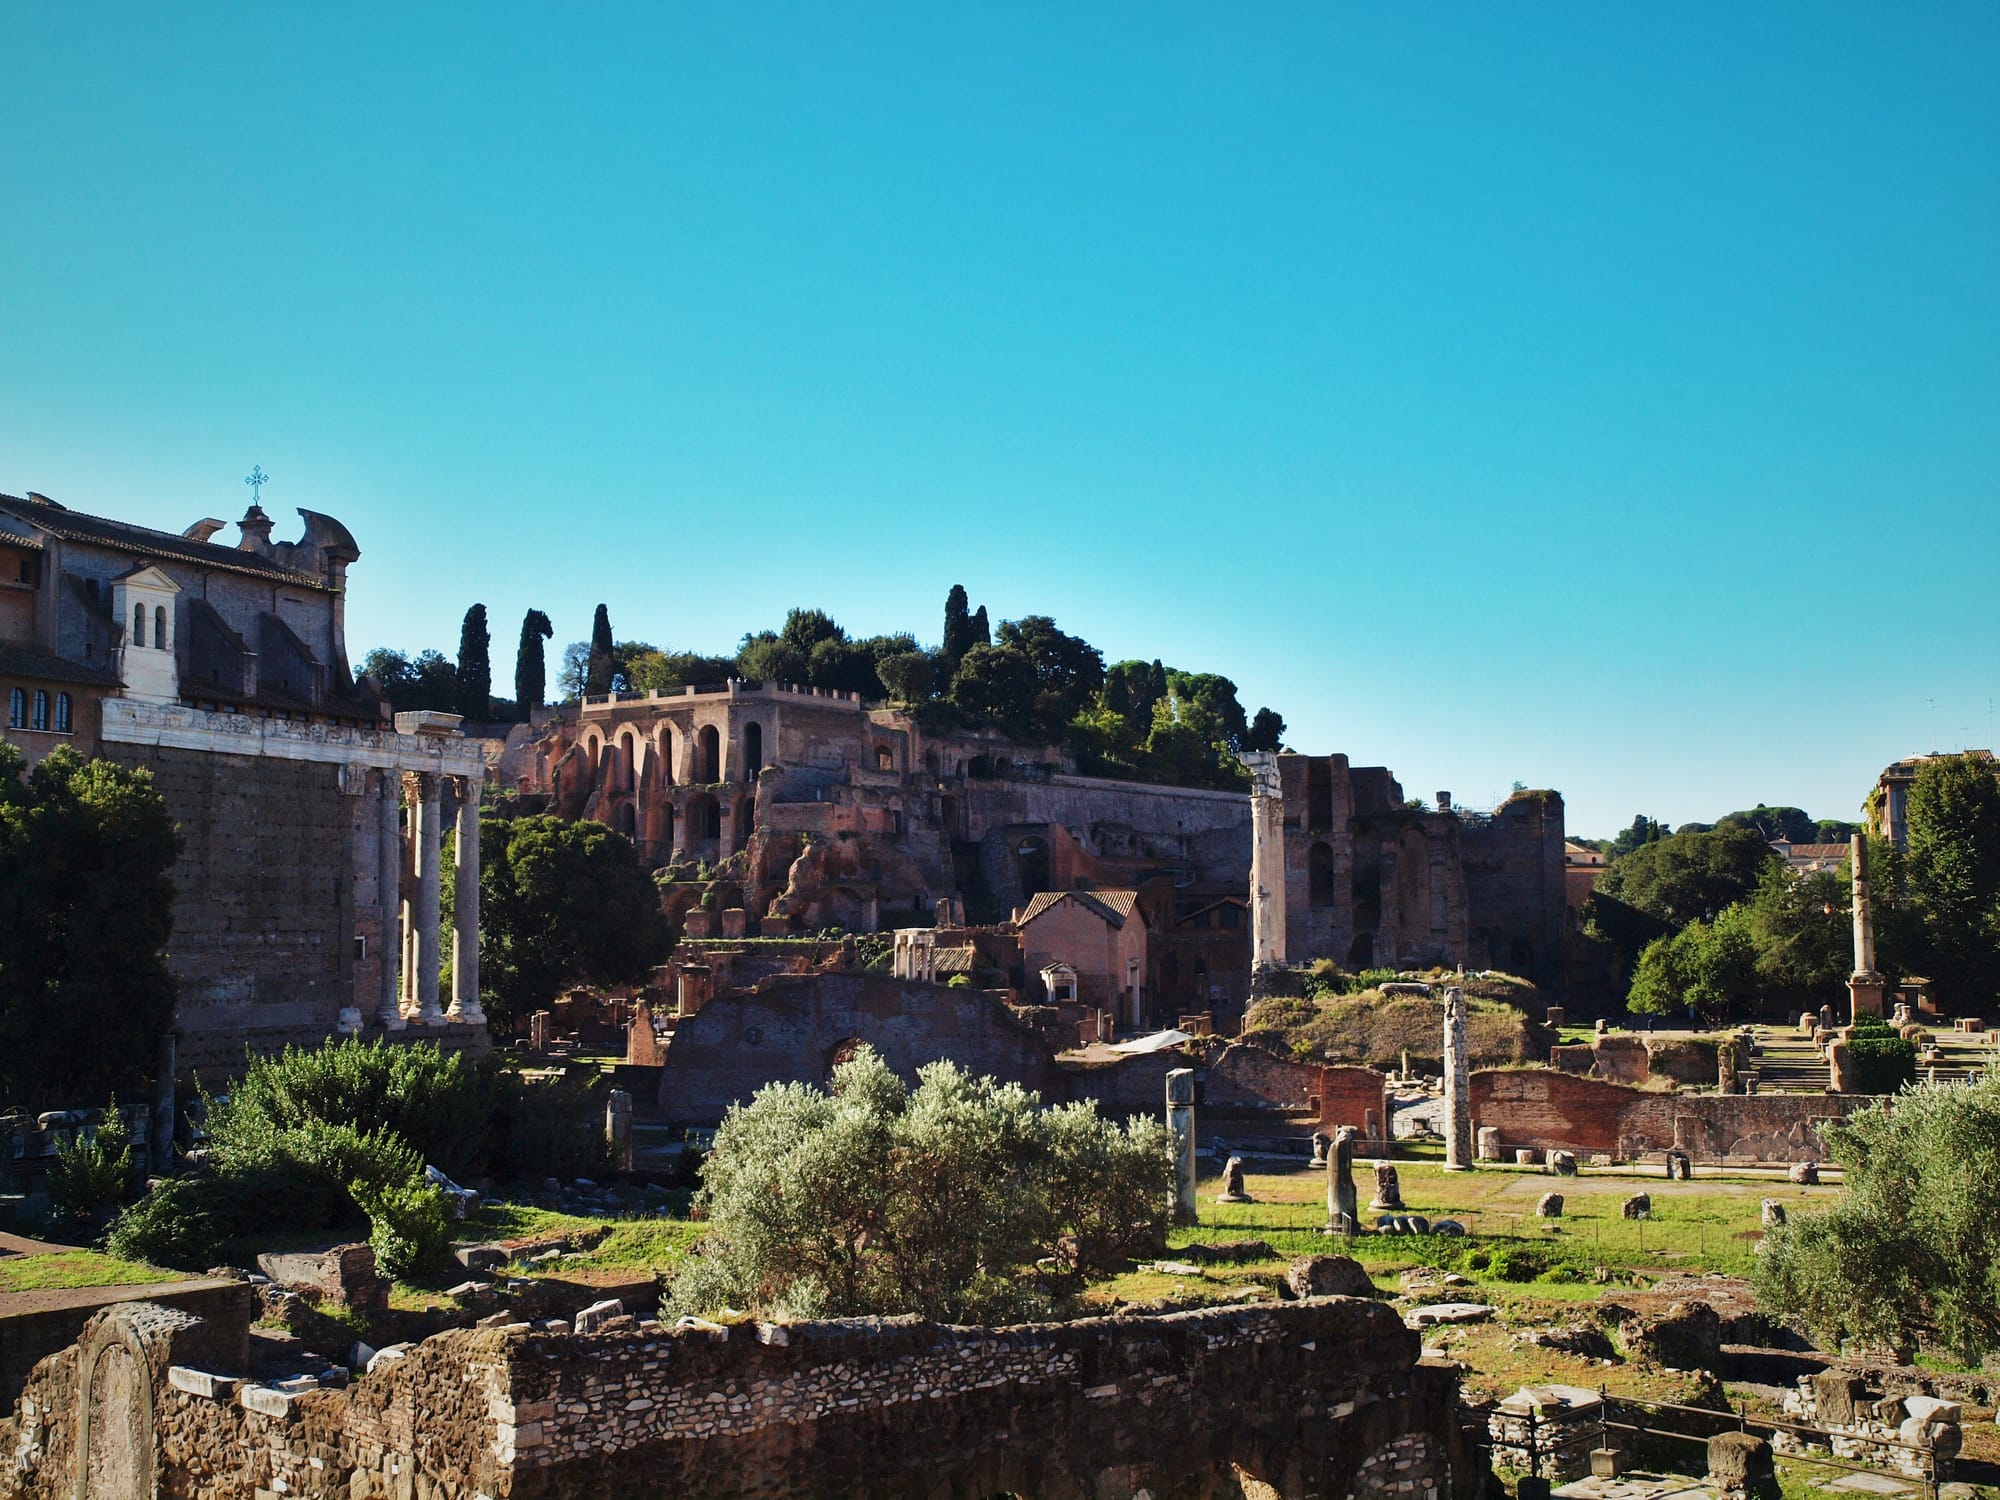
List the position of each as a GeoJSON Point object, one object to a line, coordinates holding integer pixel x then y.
{"type": "Point", "coordinates": [1604, 397]}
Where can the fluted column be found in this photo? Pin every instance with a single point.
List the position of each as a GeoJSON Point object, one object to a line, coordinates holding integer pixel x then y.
{"type": "Point", "coordinates": [465, 911]}
{"type": "Point", "coordinates": [426, 916]}
{"type": "Point", "coordinates": [389, 874]}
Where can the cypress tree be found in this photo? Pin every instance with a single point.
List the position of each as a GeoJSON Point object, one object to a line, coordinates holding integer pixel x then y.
{"type": "Point", "coordinates": [982, 634]}
{"type": "Point", "coordinates": [603, 656]}
{"type": "Point", "coordinates": [957, 631]}
{"type": "Point", "coordinates": [531, 672]}
{"type": "Point", "coordinates": [475, 666]}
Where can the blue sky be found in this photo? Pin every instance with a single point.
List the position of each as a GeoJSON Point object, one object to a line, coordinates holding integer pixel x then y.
{"type": "Point", "coordinates": [1604, 397]}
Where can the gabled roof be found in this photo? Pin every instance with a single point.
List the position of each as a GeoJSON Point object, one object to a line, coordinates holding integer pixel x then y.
{"type": "Point", "coordinates": [75, 526]}
{"type": "Point", "coordinates": [1114, 907]}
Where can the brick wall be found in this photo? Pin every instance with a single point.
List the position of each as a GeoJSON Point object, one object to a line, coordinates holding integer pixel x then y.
{"type": "Point", "coordinates": [788, 1029]}
{"type": "Point", "coordinates": [1537, 1107]}
{"type": "Point", "coordinates": [261, 942]}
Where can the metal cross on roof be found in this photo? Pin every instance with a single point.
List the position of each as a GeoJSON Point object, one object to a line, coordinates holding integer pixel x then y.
{"type": "Point", "coordinates": [257, 479]}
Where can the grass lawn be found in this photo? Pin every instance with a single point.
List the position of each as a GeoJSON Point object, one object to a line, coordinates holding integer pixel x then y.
{"type": "Point", "coordinates": [69, 1269]}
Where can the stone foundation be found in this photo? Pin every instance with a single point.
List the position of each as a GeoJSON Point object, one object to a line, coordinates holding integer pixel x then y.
{"type": "Point", "coordinates": [1326, 1398]}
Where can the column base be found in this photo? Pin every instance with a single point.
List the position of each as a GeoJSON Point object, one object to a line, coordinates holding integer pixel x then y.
{"type": "Point", "coordinates": [348, 1023]}
{"type": "Point", "coordinates": [466, 1015]}
{"type": "Point", "coordinates": [393, 1021]}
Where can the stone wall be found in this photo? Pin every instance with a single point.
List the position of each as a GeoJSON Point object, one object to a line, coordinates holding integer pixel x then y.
{"type": "Point", "coordinates": [1325, 1397]}
{"type": "Point", "coordinates": [262, 942]}
{"type": "Point", "coordinates": [29, 1337]}
{"type": "Point", "coordinates": [1242, 1080]}
{"type": "Point", "coordinates": [1544, 1108]}
{"type": "Point", "coordinates": [792, 1029]}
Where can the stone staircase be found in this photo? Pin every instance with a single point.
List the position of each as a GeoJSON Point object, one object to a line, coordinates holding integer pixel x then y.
{"type": "Point", "coordinates": [1789, 1064]}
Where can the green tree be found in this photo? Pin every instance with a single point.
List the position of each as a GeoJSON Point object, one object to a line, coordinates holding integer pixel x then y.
{"type": "Point", "coordinates": [1953, 876]}
{"type": "Point", "coordinates": [873, 1197]}
{"type": "Point", "coordinates": [602, 664]}
{"type": "Point", "coordinates": [957, 632]}
{"type": "Point", "coordinates": [769, 657]}
{"type": "Point", "coordinates": [1689, 877]}
{"type": "Point", "coordinates": [998, 685]}
{"type": "Point", "coordinates": [1267, 731]}
{"type": "Point", "coordinates": [1068, 670]}
{"type": "Point", "coordinates": [906, 675]}
{"type": "Point", "coordinates": [1709, 967]}
{"type": "Point", "coordinates": [475, 666]}
{"type": "Point", "coordinates": [430, 682]}
{"type": "Point", "coordinates": [1802, 927]}
{"type": "Point", "coordinates": [561, 903]}
{"type": "Point", "coordinates": [86, 908]}
{"type": "Point", "coordinates": [1906, 1255]}
{"type": "Point", "coordinates": [531, 674]}
{"type": "Point", "coordinates": [1644, 831]}
{"type": "Point", "coordinates": [1131, 690]}
{"type": "Point", "coordinates": [982, 634]}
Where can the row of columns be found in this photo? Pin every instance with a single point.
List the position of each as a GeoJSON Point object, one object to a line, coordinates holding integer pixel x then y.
{"type": "Point", "coordinates": [409, 875]}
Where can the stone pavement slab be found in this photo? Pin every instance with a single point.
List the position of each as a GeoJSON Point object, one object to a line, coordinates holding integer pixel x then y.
{"type": "Point", "coordinates": [1639, 1485]}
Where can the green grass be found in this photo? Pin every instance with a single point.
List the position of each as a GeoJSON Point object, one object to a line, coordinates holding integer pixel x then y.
{"type": "Point", "coordinates": [70, 1269]}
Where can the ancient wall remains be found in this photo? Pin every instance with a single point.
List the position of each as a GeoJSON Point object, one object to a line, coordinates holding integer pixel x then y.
{"type": "Point", "coordinates": [262, 942]}
{"type": "Point", "coordinates": [794, 1028]}
{"type": "Point", "coordinates": [1543, 1108]}
{"type": "Point", "coordinates": [1325, 1397]}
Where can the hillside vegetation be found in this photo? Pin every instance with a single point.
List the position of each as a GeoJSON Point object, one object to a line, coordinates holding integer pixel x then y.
{"type": "Point", "coordinates": [1324, 1022]}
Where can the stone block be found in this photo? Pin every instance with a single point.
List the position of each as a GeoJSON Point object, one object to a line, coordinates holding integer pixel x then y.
{"type": "Point", "coordinates": [1838, 1397]}
{"type": "Point", "coordinates": [480, 1257]}
{"type": "Point", "coordinates": [200, 1383]}
{"type": "Point", "coordinates": [1639, 1206]}
{"type": "Point", "coordinates": [264, 1399]}
{"type": "Point", "coordinates": [1604, 1463]}
{"type": "Point", "coordinates": [595, 1316]}
{"type": "Point", "coordinates": [1805, 1172]}
{"type": "Point", "coordinates": [1328, 1276]}
{"type": "Point", "coordinates": [1739, 1465]}
{"type": "Point", "coordinates": [1550, 1206]}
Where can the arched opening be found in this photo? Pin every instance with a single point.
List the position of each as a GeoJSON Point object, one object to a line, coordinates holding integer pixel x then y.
{"type": "Point", "coordinates": [1201, 981]}
{"type": "Point", "coordinates": [931, 760]}
{"type": "Point", "coordinates": [708, 756]}
{"type": "Point", "coordinates": [884, 761]}
{"type": "Point", "coordinates": [628, 754]}
{"type": "Point", "coordinates": [1319, 874]}
{"type": "Point", "coordinates": [1031, 865]}
{"type": "Point", "coordinates": [746, 820]}
{"type": "Point", "coordinates": [704, 819]}
{"type": "Point", "coordinates": [663, 743]}
{"type": "Point", "coordinates": [1361, 952]}
{"type": "Point", "coordinates": [626, 820]}
{"type": "Point", "coordinates": [160, 626]}
{"type": "Point", "coordinates": [62, 713]}
{"type": "Point", "coordinates": [753, 750]}
{"type": "Point", "coordinates": [138, 624]}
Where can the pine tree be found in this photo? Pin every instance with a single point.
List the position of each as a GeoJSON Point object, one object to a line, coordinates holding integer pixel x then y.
{"type": "Point", "coordinates": [475, 666]}
{"type": "Point", "coordinates": [957, 631]}
{"type": "Point", "coordinates": [603, 656]}
{"type": "Point", "coordinates": [531, 672]}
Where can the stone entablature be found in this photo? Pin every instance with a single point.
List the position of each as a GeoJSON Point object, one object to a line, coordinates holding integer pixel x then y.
{"type": "Point", "coordinates": [373, 832]}
{"type": "Point", "coordinates": [1325, 1397]}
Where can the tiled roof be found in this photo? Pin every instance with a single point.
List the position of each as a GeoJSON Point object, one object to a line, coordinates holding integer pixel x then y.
{"type": "Point", "coordinates": [75, 526]}
{"type": "Point", "coordinates": [961, 960]}
{"type": "Point", "coordinates": [1818, 851]}
{"type": "Point", "coordinates": [34, 662]}
{"type": "Point", "coordinates": [1113, 906]}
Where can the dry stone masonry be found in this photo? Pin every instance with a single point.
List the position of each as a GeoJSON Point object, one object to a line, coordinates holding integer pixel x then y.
{"type": "Point", "coordinates": [1323, 1397]}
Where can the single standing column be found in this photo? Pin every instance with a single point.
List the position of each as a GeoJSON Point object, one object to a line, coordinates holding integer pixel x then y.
{"type": "Point", "coordinates": [1267, 866]}
{"type": "Point", "coordinates": [389, 873]}
{"type": "Point", "coordinates": [1866, 989]}
{"type": "Point", "coordinates": [1343, 1217]}
{"type": "Point", "coordinates": [427, 914]}
{"type": "Point", "coordinates": [164, 1069]}
{"type": "Point", "coordinates": [465, 911]}
{"type": "Point", "coordinates": [1180, 1121]}
{"type": "Point", "coordinates": [1457, 1085]}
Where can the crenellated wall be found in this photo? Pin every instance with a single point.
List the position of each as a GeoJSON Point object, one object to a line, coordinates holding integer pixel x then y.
{"type": "Point", "coordinates": [1325, 1397]}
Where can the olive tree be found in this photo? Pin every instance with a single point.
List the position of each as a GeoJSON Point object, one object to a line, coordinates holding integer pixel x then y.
{"type": "Point", "coordinates": [874, 1197]}
{"type": "Point", "coordinates": [1908, 1253]}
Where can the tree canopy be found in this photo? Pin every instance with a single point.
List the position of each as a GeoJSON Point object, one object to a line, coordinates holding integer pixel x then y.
{"type": "Point", "coordinates": [475, 666]}
{"type": "Point", "coordinates": [1689, 877]}
{"type": "Point", "coordinates": [1907, 1254]}
{"type": "Point", "coordinates": [561, 903]}
{"type": "Point", "coordinates": [86, 907]}
{"type": "Point", "coordinates": [601, 664]}
{"type": "Point", "coordinates": [531, 672]}
{"type": "Point", "coordinates": [1952, 877]}
{"type": "Point", "coordinates": [874, 1197]}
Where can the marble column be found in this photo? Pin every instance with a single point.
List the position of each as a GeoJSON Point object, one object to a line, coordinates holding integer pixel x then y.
{"type": "Point", "coordinates": [1180, 1122]}
{"type": "Point", "coordinates": [465, 911]}
{"type": "Point", "coordinates": [426, 916]}
{"type": "Point", "coordinates": [389, 874]}
{"type": "Point", "coordinates": [1457, 1084]}
{"type": "Point", "coordinates": [1267, 866]}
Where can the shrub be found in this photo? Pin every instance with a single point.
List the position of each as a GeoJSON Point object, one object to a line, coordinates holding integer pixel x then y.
{"type": "Point", "coordinates": [877, 1198]}
{"type": "Point", "coordinates": [90, 1173]}
{"type": "Point", "coordinates": [550, 1127]}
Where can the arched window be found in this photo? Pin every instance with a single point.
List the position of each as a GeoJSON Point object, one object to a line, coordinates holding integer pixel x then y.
{"type": "Point", "coordinates": [62, 713]}
{"type": "Point", "coordinates": [753, 751]}
{"type": "Point", "coordinates": [138, 624]}
{"type": "Point", "coordinates": [708, 764]}
{"type": "Point", "coordinates": [17, 708]}
{"type": "Point", "coordinates": [884, 761]}
{"type": "Point", "coordinates": [160, 626]}
{"type": "Point", "coordinates": [41, 709]}
{"type": "Point", "coordinates": [665, 741]}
